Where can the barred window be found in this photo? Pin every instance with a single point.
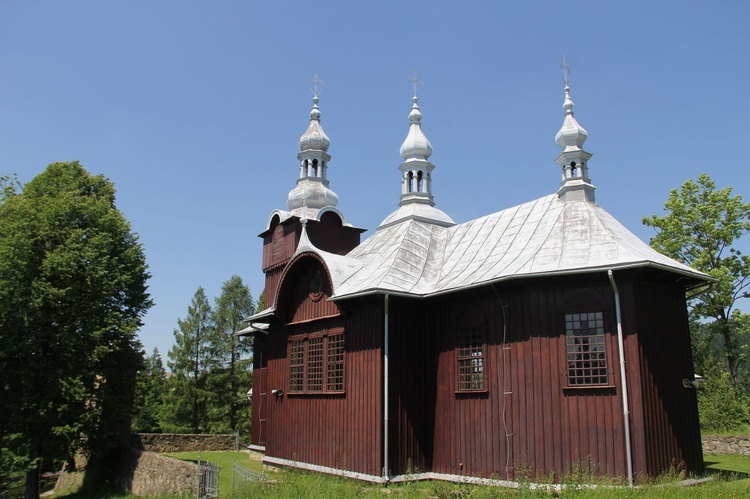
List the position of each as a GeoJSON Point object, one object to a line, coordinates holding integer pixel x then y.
{"type": "Point", "coordinates": [296, 365]}
{"type": "Point", "coordinates": [316, 363]}
{"type": "Point", "coordinates": [470, 355]}
{"type": "Point", "coordinates": [335, 365]}
{"type": "Point", "coordinates": [586, 347]}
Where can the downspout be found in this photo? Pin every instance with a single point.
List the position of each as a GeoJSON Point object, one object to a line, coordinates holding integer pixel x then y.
{"type": "Point", "coordinates": [385, 387]}
{"type": "Point", "coordinates": [623, 380]}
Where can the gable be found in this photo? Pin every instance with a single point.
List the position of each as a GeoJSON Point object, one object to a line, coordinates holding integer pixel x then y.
{"type": "Point", "coordinates": [304, 291]}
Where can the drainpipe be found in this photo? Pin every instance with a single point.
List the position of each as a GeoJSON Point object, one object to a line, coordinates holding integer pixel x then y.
{"type": "Point", "coordinates": [385, 387]}
{"type": "Point", "coordinates": [623, 380]}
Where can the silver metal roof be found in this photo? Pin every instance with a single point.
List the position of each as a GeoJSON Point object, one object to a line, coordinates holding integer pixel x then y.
{"type": "Point", "coordinates": [545, 236]}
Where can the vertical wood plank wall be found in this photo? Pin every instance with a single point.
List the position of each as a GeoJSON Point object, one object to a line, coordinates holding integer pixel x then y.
{"type": "Point", "coordinates": [259, 415]}
{"type": "Point", "coordinates": [670, 411]}
{"type": "Point", "coordinates": [528, 423]}
{"type": "Point", "coordinates": [412, 386]}
{"type": "Point", "coordinates": [342, 431]}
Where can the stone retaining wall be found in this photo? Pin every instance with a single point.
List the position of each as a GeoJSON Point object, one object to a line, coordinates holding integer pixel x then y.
{"type": "Point", "coordinates": [727, 445]}
{"type": "Point", "coordinates": [141, 473]}
{"type": "Point", "coordinates": [177, 442]}
{"type": "Point", "coordinates": [153, 475]}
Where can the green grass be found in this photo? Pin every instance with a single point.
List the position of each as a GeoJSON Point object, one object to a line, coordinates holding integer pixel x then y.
{"type": "Point", "coordinates": [224, 460]}
{"type": "Point", "coordinates": [728, 472]}
{"type": "Point", "coordinates": [730, 480]}
{"type": "Point", "coordinates": [737, 432]}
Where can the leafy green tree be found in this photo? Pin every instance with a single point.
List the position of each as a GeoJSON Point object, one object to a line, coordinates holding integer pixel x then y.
{"type": "Point", "coordinates": [231, 380]}
{"type": "Point", "coordinates": [722, 408]}
{"type": "Point", "coordinates": [702, 229]}
{"type": "Point", "coordinates": [261, 302]}
{"type": "Point", "coordinates": [191, 359]}
{"type": "Point", "coordinates": [149, 394]}
{"type": "Point", "coordinates": [72, 294]}
{"type": "Point", "coordinates": [9, 186]}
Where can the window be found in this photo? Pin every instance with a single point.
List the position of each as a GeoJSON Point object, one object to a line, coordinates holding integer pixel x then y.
{"type": "Point", "coordinates": [587, 349]}
{"type": "Point", "coordinates": [316, 363]}
{"type": "Point", "coordinates": [470, 355]}
{"type": "Point", "coordinates": [296, 365]}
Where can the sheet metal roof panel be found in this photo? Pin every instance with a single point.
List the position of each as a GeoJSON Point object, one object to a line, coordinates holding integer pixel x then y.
{"type": "Point", "coordinates": [543, 236]}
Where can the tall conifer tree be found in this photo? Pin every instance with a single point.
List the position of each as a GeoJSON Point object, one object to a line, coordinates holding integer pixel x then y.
{"type": "Point", "coordinates": [231, 383]}
{"type": "Point", "coordinates": [191, 359]}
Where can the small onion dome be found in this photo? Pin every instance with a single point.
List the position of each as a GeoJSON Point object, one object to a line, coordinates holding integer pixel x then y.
{"type": "Point", "coordinates": [571, 134]}
{"type": "Point", "coordinates": [416, 145]}
{"type": "Point", "coordinates": [314, 138]}
{"type": "Point", "coordinates": [310, 194]}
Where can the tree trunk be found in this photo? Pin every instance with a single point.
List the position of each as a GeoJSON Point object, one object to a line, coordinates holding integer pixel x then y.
{"type": "Point", "coordinates": [32, 481]}
{"type": "Point", "coordinates": [232, 391]}
{"type": "Point", "coordinates": [731, 363]}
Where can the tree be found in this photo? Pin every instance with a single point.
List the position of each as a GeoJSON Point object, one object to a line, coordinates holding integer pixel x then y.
{"type": "Point", "coordinates": [192, 357]}
{"type": "Point", "coordinates": [232, 378]}
{"type": "Point", "coordinates": [261, 301]}
{"type": "Point", "coordinates": [72, 294]}
{"type": "Point", "coordinates": [701, 230]}
{"type": "Point", "coordinates": [149, 392]}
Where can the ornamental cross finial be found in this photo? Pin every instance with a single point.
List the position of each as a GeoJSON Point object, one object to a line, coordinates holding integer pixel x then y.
{"type": "Point", "coordinates": [566, 69]}
{"type": "Point", "coordinates": [414, 81]}
{"type": "Point", "coordinates": [317, 83]}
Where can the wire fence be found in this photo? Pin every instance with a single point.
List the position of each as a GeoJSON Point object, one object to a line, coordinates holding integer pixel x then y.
{"type": "Point", "coordinates": [241, 475]}
{"type": "Point", "coordinates": [208, 480]}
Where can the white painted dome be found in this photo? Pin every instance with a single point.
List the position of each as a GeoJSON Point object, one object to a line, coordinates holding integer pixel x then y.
{"type": "Point", "coordinates": [314, 138]}
{"type": "Point", "coordinates": [416, 145]}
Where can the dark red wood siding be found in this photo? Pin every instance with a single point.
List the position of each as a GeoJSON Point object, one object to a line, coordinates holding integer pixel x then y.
{"type": "Point", "coordinates": [527, 423]}
{"type": "Point", "coordinates": [329, 234]}
{"type": "Point", "coordinates": [339, 430]}
{"type": "Point", "coordinates": [670, 411]}
{"type": "Point", "coordinates": [412, 386]}
{"type": "Point", "coordinates": [259, 423]}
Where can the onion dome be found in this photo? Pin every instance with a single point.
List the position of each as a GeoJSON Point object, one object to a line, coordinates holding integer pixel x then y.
{"type": "Point", "coordinates": [312, 194]}
{"type": "Point", "coordinates": [573, 159]}
{"type": "Point", "coordinates": [314, 138]}
{"type": "Point", "coordinates": [571, 134]}
{"type": "Point", "coordinates": [416, 202]}
{"type": "Point", "coordinates": [416, 145]}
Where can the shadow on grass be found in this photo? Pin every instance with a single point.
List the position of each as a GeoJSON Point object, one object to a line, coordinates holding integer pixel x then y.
{"type": "Point", "coordinates": [713, 470]}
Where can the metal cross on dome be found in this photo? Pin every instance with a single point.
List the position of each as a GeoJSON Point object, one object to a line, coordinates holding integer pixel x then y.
{"type": "Point", "coordinates": [414, 81]}
{"type": "Point", "coordinates": [566, 69]}
{"type": "Point", "coordinates": [317, 83]}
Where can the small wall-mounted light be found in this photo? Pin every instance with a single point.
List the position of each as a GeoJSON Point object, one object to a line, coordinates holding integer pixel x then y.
{"type": "Point", "coordinates": [693, 383]}
{"type": "Point", "coordinates": [277, 392]}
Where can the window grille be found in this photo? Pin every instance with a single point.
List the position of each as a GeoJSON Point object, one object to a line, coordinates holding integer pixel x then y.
{"type": "Point", "coordinates": [471, 358]}
{"type": "Point", "coordinates": [296, 365]}
{"type": "Point", "coordinates": [336, 363]}
{"type": "Point", "coordinates": [316, 363]}
{"type": "Point", "coordinates": [586, 347]}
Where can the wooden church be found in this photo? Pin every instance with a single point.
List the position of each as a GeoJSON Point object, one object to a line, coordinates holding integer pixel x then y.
{"type": "Point", "coordinates": [535, 341]}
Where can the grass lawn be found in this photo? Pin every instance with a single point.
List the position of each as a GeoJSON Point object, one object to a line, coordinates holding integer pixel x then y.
{"type": "Point", "coordinates": [224, 460]}
{"type": "Point", "coordinates": [728, 472]}
{"type": "Point", "coordinates": [731, 463]}
{"type": "Point", "coordinates": [731, 479]}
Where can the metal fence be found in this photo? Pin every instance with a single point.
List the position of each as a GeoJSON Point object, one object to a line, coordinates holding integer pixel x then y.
{"type": "Point", "coordinates": [208, 480]}
{"type": "Point", "coordinates": [241, 474]}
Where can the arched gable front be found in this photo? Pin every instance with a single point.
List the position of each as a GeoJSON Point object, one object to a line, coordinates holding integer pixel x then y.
{"type": "Point", "coordinates": [304, 291]}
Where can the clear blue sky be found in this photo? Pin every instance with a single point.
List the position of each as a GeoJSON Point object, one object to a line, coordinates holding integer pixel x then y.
{"type": "Point", "coordinates": [194, 109]}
